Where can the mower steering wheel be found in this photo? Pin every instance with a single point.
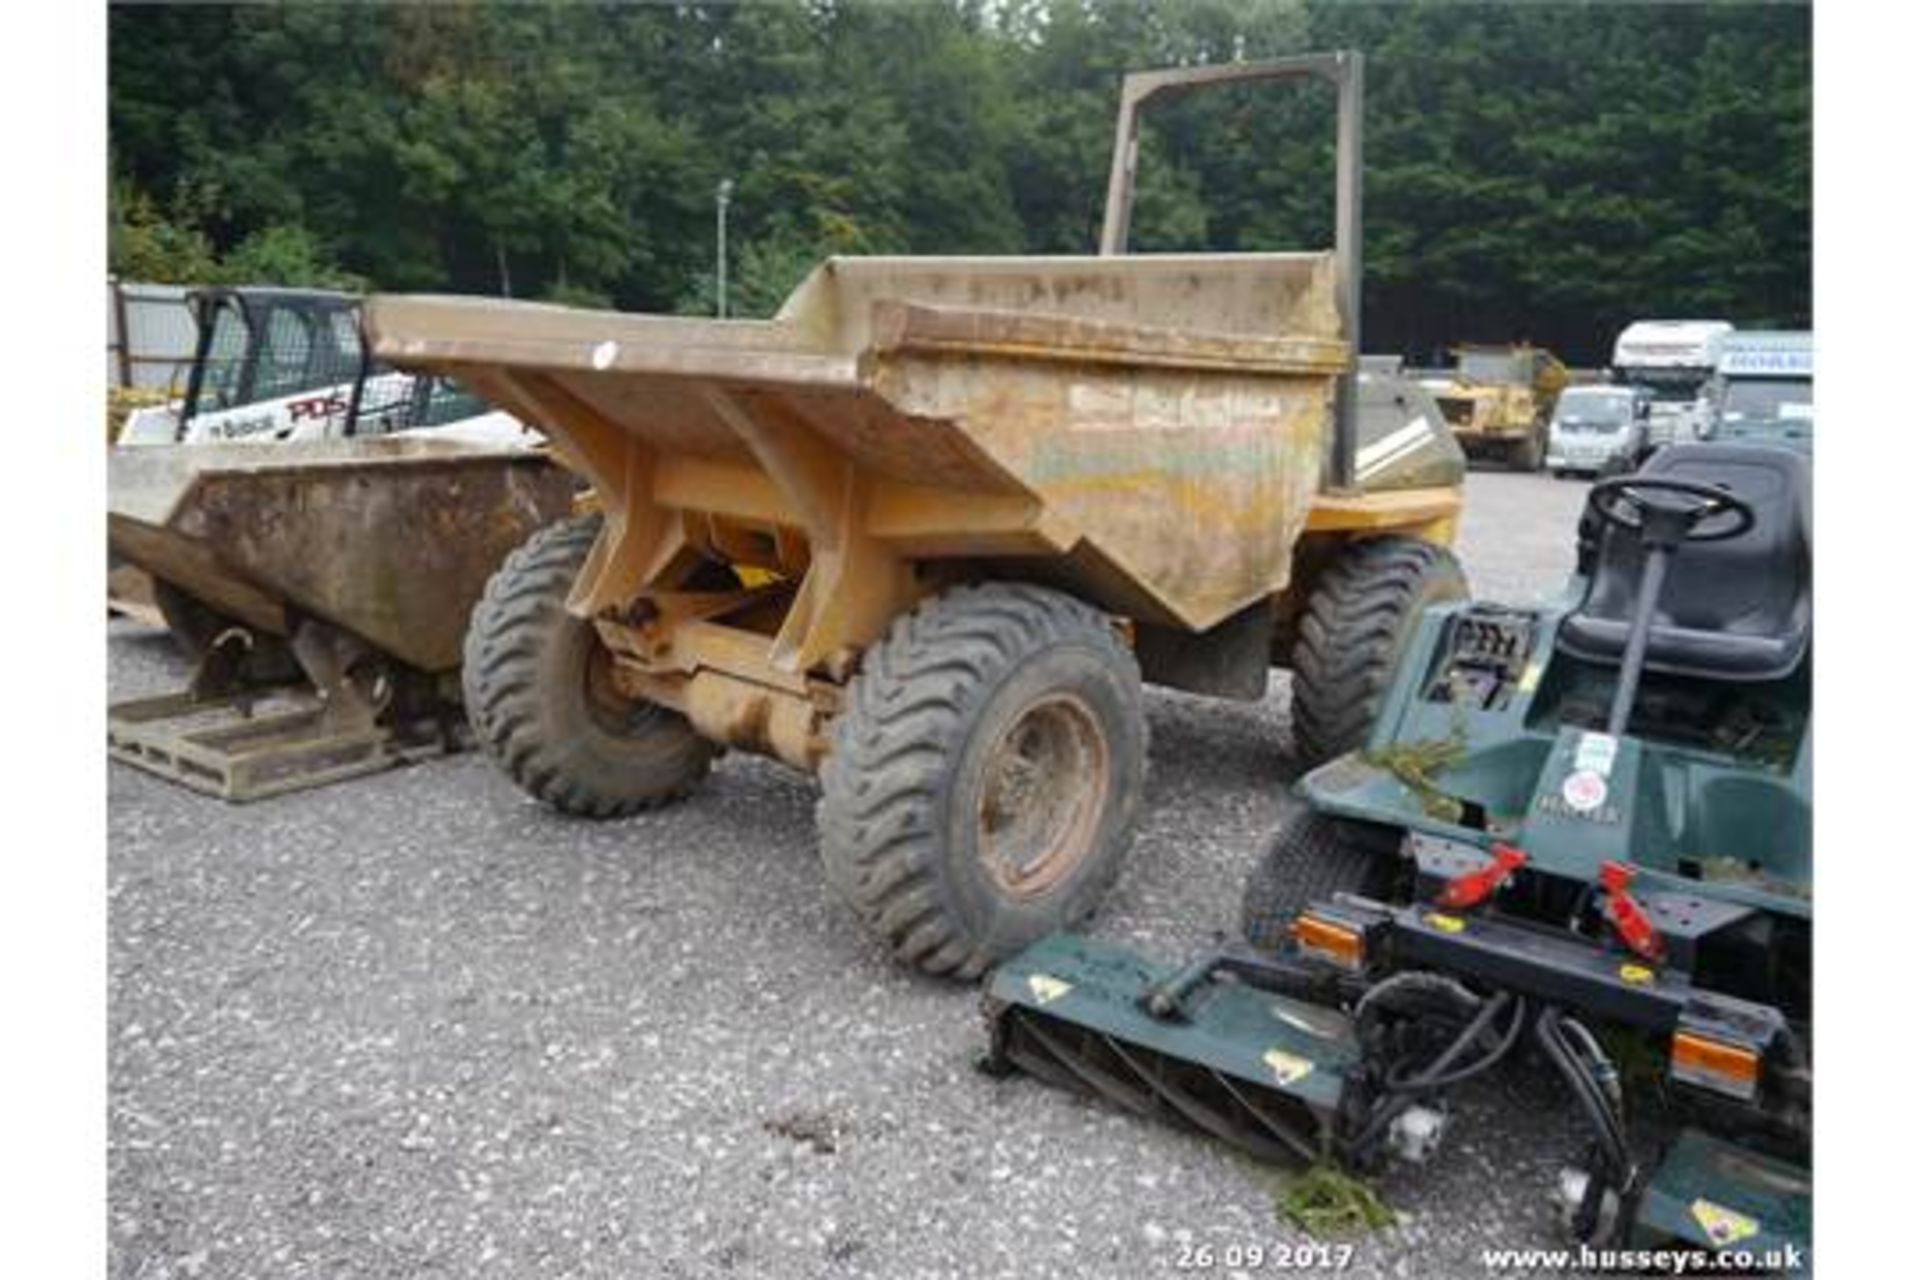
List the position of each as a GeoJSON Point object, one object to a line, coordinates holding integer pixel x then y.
{"type": "Point", "coordinates": [1688, 516]}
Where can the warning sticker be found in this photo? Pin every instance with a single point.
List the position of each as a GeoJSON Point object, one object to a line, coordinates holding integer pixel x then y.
{"type": "Point", "coordinates": [1722, 1225]}
{"type": "Point", "coordinates": [1595, 753]}
{"type": "Point", "coordinates": [1584, 791]}
{"type": "Point", "coordinates": [1445, 924]}
{"type": "Point", "coordinates": [1046, 988]}
{"type": "Point", "coordinates": [1638, 974]}
{"type": "Point", "coordinates": [1287, 1068]}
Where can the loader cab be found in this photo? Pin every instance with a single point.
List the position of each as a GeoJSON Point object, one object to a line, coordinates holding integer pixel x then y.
{"type": "Point", "coordinates": [385, 401]}
{"type": "Point", "coordinates": [260, 344]}
{"type": "Point", "coordinates": [1496, 366]}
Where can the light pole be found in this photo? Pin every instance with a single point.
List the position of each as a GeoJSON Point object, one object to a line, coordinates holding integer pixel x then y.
{"type": "Point", "coordinates": [722, 197]}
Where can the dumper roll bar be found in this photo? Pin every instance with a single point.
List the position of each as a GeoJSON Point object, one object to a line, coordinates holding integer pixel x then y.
{"type": "Point", "coordinates": [1346, 71]}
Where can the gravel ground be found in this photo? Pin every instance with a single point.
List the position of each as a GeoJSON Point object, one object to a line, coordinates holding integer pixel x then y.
{"type": "Point", "coordinates": [417, 1026]}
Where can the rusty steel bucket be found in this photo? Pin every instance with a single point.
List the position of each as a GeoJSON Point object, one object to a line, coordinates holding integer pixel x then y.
{"type": "Point", "coordinates": [356, 561]}
{"type": "Point", "coordinates": [390, 540]}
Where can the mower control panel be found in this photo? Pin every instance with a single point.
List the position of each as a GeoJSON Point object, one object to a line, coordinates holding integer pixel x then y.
{"type": "Point", "coordinates": [1487, 651]}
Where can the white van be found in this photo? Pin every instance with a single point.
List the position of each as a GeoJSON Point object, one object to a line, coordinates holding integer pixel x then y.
{"type": "Point", "coordinates": [1598, 429]}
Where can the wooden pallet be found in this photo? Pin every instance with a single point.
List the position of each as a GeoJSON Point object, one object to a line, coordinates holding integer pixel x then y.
{"type": "Point", "coordinates": [243, 747]}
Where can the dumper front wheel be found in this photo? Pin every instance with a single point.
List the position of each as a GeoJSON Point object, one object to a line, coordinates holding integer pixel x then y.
{"type": "Point", "coordinates": [984, 775]}
{"type": "Point", "coordinates": [1359, 617]}
{"type": "Point", "coordinates": [1530, 453]}
{"type": "Point", "coordinates": [539, 693]}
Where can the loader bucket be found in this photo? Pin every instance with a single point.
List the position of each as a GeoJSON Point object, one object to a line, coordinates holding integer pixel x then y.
{"type": "Point", "coordinates": [390, 540]}
{"type": "Point", "coordinates": [1262, 1072]}
{"type": "Point", "coordinates": [364, 556]}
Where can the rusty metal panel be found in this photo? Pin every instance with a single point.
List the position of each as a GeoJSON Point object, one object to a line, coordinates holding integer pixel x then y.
{"type": "Point", "coordinates": [1193, 485]}
{"type": "Point", "coordinates": [390, 539]}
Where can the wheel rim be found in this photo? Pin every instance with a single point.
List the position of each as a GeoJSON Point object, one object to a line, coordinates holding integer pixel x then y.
{"type": "Point", "coordinates": [607, 707]}
{"type": "Point", "coordinates": [1045, 785]}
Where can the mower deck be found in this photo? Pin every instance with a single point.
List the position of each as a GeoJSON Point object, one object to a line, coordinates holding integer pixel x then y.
{"type": "Point", "coordinates": [1260, 1071]}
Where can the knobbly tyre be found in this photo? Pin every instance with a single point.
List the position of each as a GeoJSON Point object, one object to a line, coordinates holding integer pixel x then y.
{"type": "Point", "coordinates": [926, 532]}
{"type": "Point", "coordinates": [1586, 816]}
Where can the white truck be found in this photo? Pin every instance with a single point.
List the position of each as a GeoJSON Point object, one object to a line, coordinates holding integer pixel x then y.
{"type": "Point", "coordinates": [1672, 361]}
{"type": "Point", "coordinates": [1763, 388]}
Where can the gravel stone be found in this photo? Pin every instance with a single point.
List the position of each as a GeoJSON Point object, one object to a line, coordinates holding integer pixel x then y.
{"type": "Point", "coordinates": [415, 1025]}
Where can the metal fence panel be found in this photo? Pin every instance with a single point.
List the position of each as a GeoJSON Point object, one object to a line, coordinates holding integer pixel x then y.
{"type": "Point", "coordinates": [150, 335]}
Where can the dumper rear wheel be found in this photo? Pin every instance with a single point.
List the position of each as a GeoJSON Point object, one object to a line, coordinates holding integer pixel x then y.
{"type": "Point", "coordinates": [540, 697]}
{"type": "Point", "coordinates": [1358, 620]}
{"type": "Point", "coordinates": [1311, 858]}
{"type": "Point", "coordinates": [984, 775]}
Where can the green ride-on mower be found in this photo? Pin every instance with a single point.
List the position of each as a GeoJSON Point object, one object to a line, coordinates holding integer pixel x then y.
{"type": "Point", "coordinates": [1574, 827]}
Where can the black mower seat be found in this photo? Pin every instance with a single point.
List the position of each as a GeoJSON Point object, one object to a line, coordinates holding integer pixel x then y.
{"type": "Point", "coordinates": [1741, 609]}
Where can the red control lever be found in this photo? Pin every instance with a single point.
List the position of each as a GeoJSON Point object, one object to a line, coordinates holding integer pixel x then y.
{"type": "Point", "coordinates": [1629, 918]}
{"type": "Point", "coordinates": [1471, 888]}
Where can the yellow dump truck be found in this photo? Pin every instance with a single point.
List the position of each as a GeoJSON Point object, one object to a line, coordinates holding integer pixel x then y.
{"type": "Point", "coordinates": [926, 532]}
{"type": "Point", "coordinates": [1500, 401]}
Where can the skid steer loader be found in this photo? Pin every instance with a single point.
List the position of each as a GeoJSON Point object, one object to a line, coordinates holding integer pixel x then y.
{"type": "Point", "coordinates": [1499, 401]}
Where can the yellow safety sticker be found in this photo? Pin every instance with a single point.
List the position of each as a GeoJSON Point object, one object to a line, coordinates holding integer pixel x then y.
{"type": "Point", "coordinates": [1530, 678]}
{"type": "Point", "coordinates": [1046, 988]}
{"type": "Point", "coordinates": [1445, 924]}
{"type": "Point", "coordinates": [1638, 974]}
{"type": "Point", "coordinates": [1722, 1225]}
{"type": "Point", "coordinates": [1286, 1067]}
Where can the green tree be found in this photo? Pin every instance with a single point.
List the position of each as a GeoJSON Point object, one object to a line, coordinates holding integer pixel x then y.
{"type": "Point", "coordinates": [1547, 170]}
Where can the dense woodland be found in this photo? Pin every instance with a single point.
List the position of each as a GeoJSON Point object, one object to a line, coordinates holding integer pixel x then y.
{"type": "Point", "coordinates": [1543, 171]}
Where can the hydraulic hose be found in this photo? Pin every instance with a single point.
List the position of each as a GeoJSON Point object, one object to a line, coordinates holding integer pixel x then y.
{"type": "Point", "coordinates": [1439, 1073]}
{"type": "Point", "coordinates": [1428, 1082]}
{"type": "Point", "coordinates": [1589, 1093]}
{"type": "Point", "coordinates": [1603, 1069]}
{"type": "Point", "coordinates": [1414, 981]}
